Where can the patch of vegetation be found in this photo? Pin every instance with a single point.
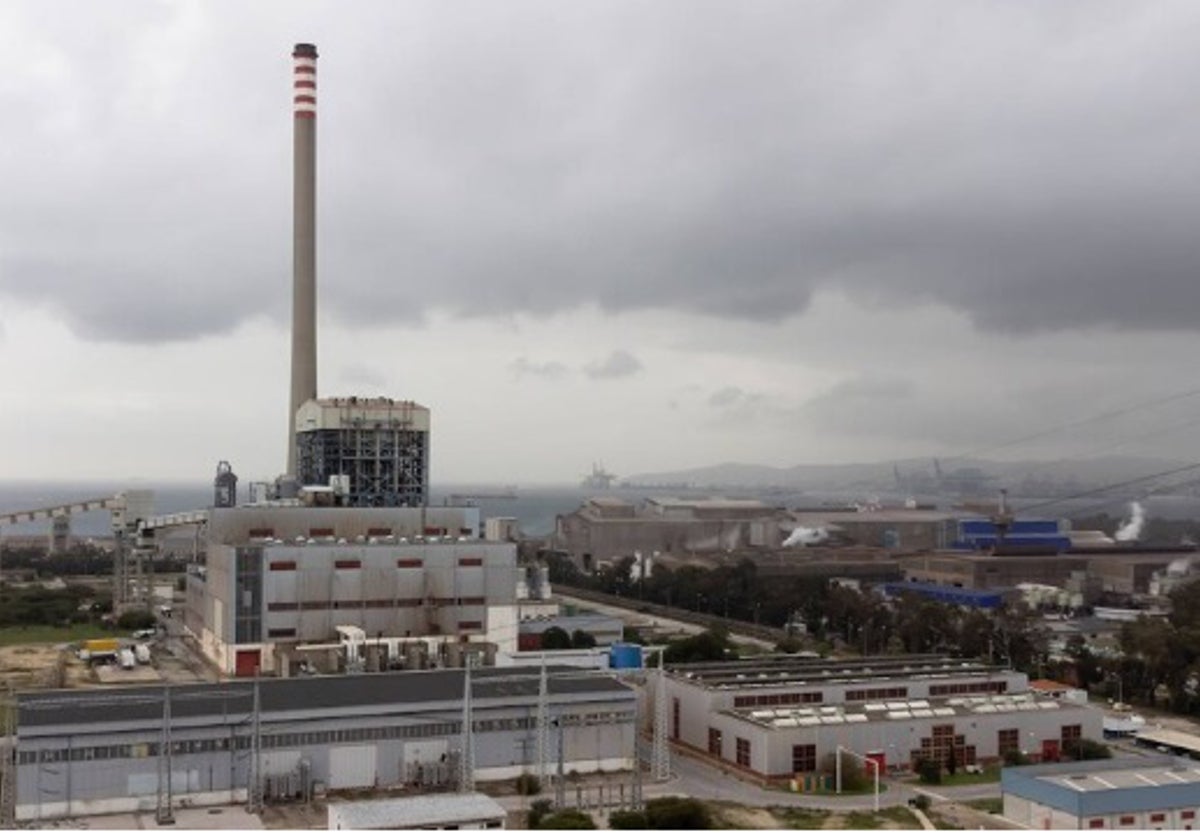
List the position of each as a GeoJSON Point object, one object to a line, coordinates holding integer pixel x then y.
{"type": "Point", "coordinates": [803, 819]}
{"type": "Point", "coordinates": [36, 634]}
{"type": "Point", "coordinates": [990, 775]}
{"type": "Point", "coordinates": [628, 821]}
{"type": "Point", "coordinates": [570, 820]}
{"type": "Point", "coordinates": [988, 806]}
{"type": "Point", "coordinates": [673, 812]}
{"type": "Point", "coordinates": [537, 812]}
{"type": "Point", "coordinates": [528, 785]}
{"type": "Point", "coordinates": [863, 821]}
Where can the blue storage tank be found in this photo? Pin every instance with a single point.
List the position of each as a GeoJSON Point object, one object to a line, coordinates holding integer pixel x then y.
{"type": "Point", "coordinates": [624, 655]}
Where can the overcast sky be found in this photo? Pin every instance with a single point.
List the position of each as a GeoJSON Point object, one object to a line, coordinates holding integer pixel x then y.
{"type": "Point", "coordinates": [652, 234]}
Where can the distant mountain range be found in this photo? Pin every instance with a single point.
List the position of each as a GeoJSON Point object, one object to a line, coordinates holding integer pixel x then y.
{"type": "Point", "coordinates": [958, 475]}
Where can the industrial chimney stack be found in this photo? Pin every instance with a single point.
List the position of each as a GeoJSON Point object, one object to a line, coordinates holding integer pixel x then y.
{"type": "Point", "coordinates": [304, 240]}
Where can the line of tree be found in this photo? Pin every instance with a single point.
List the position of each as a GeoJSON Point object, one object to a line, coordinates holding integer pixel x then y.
{"type": "Point", "coordinates": [839, 616]}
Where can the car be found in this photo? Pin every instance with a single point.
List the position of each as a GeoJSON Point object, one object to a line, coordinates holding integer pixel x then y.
{"type": "Point", "coordinates": [148, 633]}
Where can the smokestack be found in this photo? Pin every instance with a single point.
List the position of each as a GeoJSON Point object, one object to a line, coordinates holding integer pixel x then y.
{"type": "Point", "coordinates": [304, 238]}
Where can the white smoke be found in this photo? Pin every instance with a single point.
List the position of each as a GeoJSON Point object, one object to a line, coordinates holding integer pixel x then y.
{"type": "Point", "coordinates": [1131, 529]}
{"type": "Point", "coordinates": [806, 536]}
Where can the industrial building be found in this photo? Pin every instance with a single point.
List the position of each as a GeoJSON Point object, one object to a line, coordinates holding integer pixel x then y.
{"type": "Point", "coordinates": [95, 752]}
{"type": "Point", "coordinates": [380, 446]}
{"type": "Point", "coordinates": [607, 528]}
{"type": "Point", "coordinates": [1118, 794]}
{"type": "Point", "coordinates": [776, 717]}
{"type": "Point", "coordinates": [280, 584]}
{"type": "Point", "coordinates": [900, 529]}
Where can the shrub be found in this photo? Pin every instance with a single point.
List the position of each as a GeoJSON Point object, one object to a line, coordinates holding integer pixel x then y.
{"type": "Point", "coordinates": [136, 620]}
{"type": "Point", "coordinates": [853, 777]}
{"type": "Point", "coordinates": [537, 812]}
{"type": "Point", "coordinates": [1089, 750]}
{"type": "Point", "coordinates": [628, 821]}
{"type": "Point", "coordinates": [922, 802]}
{"type": "Point", "coordinates": [567, 820]}
{"type": "Point", "coordinates": [528, 785]}
{"type": "Point", "coordinates": [1015, 758]}
{"type": "Point", "coordinates": [929, 771]}
{"type": "Point", "coordinates": [674, 812]}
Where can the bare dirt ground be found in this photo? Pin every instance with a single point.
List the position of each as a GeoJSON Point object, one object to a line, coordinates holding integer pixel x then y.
{"type": "Point", "coordinates": [40, 666]}
{"type": "Point", "coordinates": [738, 817]}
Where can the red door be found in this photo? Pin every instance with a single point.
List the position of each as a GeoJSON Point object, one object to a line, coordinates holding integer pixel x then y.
{"type": "Point", "coordinates": [1050, 750]}
{"type": "Point", "coordinates": [879, 758]}
{"type": "Point", "coordinates": [246, 663]}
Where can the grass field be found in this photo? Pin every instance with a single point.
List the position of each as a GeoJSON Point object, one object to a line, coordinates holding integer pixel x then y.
{"type": "Point", "coordinates": [988, 776]}
{"type": "Point", "coordinates": [988, 806]}
{"type": "Point", "coordinates": [41, 634]}
{"type": "Point", "coordinates": [889, 817]}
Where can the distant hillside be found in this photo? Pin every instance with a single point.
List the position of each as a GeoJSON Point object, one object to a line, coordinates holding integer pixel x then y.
{"type": "Point", "coordinates": [1018, 476]}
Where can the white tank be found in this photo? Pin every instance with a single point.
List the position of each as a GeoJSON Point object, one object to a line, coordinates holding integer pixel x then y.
{"type": "Point", "coordinates": [142, 654]}
{"type": "Point", "coordinates": [126, 659]}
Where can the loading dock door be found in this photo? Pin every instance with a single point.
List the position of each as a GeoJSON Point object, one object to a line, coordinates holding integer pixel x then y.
{"type": "Point", "coordinates": [246, 663]}
{"type": "Point", "coordinates": [352, 766]}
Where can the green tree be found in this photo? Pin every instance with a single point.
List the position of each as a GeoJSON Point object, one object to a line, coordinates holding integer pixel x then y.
{"type": "Point", "coordinates": [566, 821]}
{"type": "Point", "coordinates": [628, 821]}
{"type": "Point", "coordinates": [929, 771]}
{"type": "Point", "coordinates": [528, 785]}
{"type": "Point", "coordinates": [538, 810]}
{"type": "Point", "coordinates": [136, 620]}
{"type": "Point", "coordinates": [580, 639]}
{"type": "Point", "coordinates": [555, 638]}
{"type": "Point", "coordinates": [853, 777]}
{"type": "Point", "coordinates": [673, 812]}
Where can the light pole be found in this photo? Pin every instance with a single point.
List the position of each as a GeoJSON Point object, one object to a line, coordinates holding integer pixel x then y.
{"type": "Point", "coordinates": [874, 766]}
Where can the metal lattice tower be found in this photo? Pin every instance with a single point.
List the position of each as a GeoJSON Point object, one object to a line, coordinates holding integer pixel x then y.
{"type": "Point", "coordinates": [163, 813]}
{"type": "Point", "coordinates": [543, 725]}
{"type": "Point", "coordinates": [8, 764]}
{"type": "Point", "coordinates": [466, 775]}
{"type": "Point", "coordinates": [660, 756]}
{"type": "Point", "coordinates": [254, 785]}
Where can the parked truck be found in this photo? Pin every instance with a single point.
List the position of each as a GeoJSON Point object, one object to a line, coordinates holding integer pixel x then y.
{"type": "Point", "coordinates": [98, 650]}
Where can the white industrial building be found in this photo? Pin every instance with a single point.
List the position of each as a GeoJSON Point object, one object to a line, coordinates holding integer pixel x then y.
{"type": "Point", "coordinates": [104, 751]}
{"type": "Point", "coordinates": [776, 717]}
{"type": "Point", "coordinates": [279, 580]}
{"type": "Point", "coordinates": [1117, 794]}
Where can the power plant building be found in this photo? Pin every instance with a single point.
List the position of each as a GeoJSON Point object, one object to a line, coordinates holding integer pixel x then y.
{"type": "Point", "coordinates": [380, 445]}
{"type": "Point", "coordinates": [279, 579]}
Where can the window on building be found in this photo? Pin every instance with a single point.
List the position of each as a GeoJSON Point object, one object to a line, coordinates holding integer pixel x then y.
{"type": "Point", "coordinates": [281, 633]}
{"type": "Point", "coordinates": [1157, 818]}
{"type": "Point", "coordinates": [1008, 741]}
{"type": "Point", "coordinates": [804, 758]}
{"type": "Point", "coordinates": [743, 752]}
{"type": "Point", "coordinates": [283, 565]}
{"type": "Point", "coordinates": [1128, 819]}
{"type": "Point", "coordinates": [470, 561]}
{"type": "Point", "coordinates": [1096, 823]}
{"type": "Point", "coordinates": [855, 695]}
{"type": "Point", "coordinates": [714, 741]}
{"type": "Point", "coordinates": [1187, 815]}
{"type": "Point", "coordinates": [347, 564]}
{"type": "Point", "coordinates": [1071, 736]}
{"type": "Point", "coordinates": [409, 563]}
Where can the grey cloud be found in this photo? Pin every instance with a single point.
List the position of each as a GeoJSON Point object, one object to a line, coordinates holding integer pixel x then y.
{"type": "Point", "coordinates": [618, 365]}
{"type": "Point", "coordinates": [522, 366]}
{"type": "Point", "coordinates": [1026, 163]}
{"type": "Point", "coordinates": [363, 374]}
{"type": "Point", "coordinates": [726, 396]}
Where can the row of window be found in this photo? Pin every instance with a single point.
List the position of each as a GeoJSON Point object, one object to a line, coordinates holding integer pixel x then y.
{"type": "Point", "coordinates": [402, 563]}
{"type": "Point", "coordinates": [376, 604]}
{"type": "Point", "coordinates": [317, 533]}
{"type": "Point", "coordinates": [889, 692]}
{"type": "Point", "coordinates": [1130, 819]}
{"type": "Point", "coordinates": [937, 690]}
{"type": "Point", "coordinates": [793, 699]}
{"type": "Point", "coordinates": [312, 738]}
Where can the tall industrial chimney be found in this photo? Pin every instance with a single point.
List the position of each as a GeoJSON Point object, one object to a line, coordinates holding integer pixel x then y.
{"type": "Point", "coordinates": [304, 239]}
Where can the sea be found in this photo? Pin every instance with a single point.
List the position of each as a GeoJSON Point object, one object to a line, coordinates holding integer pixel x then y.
{"type": "Point", "coordinates": [537, 507]}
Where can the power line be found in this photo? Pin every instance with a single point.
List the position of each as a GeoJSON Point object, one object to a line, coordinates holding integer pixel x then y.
{"type": "Point", "coordinates": [1107, 488]}
{"type": "Point", "coordinates": [1074, 424]}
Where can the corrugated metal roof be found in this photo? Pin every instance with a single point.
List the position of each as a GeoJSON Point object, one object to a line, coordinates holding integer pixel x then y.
{"type": "Point", "coordinates": [317, 695]}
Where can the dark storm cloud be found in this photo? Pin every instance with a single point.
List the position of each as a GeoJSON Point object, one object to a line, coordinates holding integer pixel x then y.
{"type": "Point", "coordinates": [1029, 164]}
{"type": "Point", "coordinates": [618, 365]}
